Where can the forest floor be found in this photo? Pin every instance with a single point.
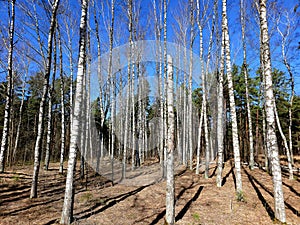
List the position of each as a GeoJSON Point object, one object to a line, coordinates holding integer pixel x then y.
{"type": "Point", "coordinates": [141, 198]}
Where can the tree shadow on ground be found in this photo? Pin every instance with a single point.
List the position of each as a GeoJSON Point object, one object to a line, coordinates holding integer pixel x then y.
{"type": "Point", "coordinates": [260, 196]}
{"type": "Point", "coordinates": [295, 211]}
{"type": "Point", "coordinates": [108, 203]}
{"type": "Point", "coordinates": [184, 209]}
{"type": "Point", "coordinates": [214, 172]}
{"type": "Point", "coordinates": [291, 189]}
{"type": "Point", "coordinates": [226, 176]}
{"type": "Point", "coordinates": [188, 204]}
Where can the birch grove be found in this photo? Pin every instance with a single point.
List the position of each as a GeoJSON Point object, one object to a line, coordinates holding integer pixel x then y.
{"type": "Point", "coordinates": [168, 99]}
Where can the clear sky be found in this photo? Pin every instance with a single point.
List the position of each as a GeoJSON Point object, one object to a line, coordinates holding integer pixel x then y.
{"type": "Point", "coordinates": [177, 11]}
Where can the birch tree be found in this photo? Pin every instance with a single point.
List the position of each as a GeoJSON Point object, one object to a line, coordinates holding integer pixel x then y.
{"type": "Point", "coordinates": [285, 34]}
{"type": "Point", "coordinates": [9, 78]}
{"type": "Point", "coordinates": [190, 103]}
{"type": "Point", "coordinates": [270, 114]}
{"type": "Point", "coordinates": [62, 104]}
{"type": "Point", "coordinates": [235, 136]}
{"type": "Point", "coordinates": [129, 71]}
{"type": "Point", "coordinates": [50, 103]}
{"type": "Point", "coordinates": [220, 117]}
{"type": "Point", "coordinates": [67, 211]}
{"type": "Point", "coordinates": [170, 195]}
{"type": "Point", "coordinates": [245, 71]}
{"type": "Point", "coordinates": [39, 138]}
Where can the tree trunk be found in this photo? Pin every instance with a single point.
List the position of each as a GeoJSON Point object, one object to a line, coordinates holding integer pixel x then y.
{"type": "Point", "coordinates": [190, 103]}
{"type": "Point", "coordinates": [235, 136]}
{"type": "Point", "coordinates": [5, 132]}
{"type": "Point", "coordinates": [270, 115]}
{"type": "Point", "coordinates": [67, 211]}
{"type": "Point", "coordinates": [245, 70]}
{"type": "Point", "coordinates": [50, 103]}
{"type": "Point", "coordinates": [38, 143]}
{"type": "Point", "coordinates": [170, 195]}
{"type": "Point", "coordinates": [21, 109]}
{"type": "Point", "coordinates": [220, 117]}
{"type": "Point", "coordinates": [62, 105]}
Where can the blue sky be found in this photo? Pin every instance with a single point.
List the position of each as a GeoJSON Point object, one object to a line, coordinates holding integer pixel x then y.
{"type": "Point", "coordinates": [146, 21]}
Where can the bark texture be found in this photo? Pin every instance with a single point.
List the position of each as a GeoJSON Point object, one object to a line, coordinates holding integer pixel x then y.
{"type": "Point", "coordinates": [270, 115]}
{"type": "Point", "coordinates": [67, 211]}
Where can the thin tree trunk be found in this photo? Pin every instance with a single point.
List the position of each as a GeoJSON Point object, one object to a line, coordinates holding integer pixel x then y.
{"type": "Point", "coordinates": [270, 115]}
{"type": "Point", "coordinates": [21, 109]}
{"type": "Point", "coordinates": [165, 131]}
{"type": "Point", "coordinates": [38, 143]}
{"type": "Point", "coordinates": [220, 117]}
{"type": "Point", "coordinates": [67, 211]}
{"type": "Point", "coordinates": [170, 194]}
{"type": "Point", "coordinates": [199, 139]}
{"type": "Point", "coordinates": [288, 153]}
{"type": "Point", "coordinates": [190, 103]}
{"type": "Point", "coordinates": [129, 80]}
{"type": "Point", "coordinates": [235, 135]}
{"type": "Point", "coordinates": [50, 103]}
{"type": "Point", "coordinates": [288, 67]}
{"type": "Point", "coordinates": [7, 109]}
{"type": "Point", "coordinates": [245, 70]}
{"type": "Point", "coordinates": [62, 105]}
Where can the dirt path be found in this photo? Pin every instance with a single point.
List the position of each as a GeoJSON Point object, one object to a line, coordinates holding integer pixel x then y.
{"type": "Point", "coordinates": [141, 200]}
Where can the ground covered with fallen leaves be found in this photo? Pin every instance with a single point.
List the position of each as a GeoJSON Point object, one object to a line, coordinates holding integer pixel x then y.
{"type": "Point", "coordinates": [141, 198]}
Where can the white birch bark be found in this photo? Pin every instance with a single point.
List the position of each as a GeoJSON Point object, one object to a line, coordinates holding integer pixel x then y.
{"type": "Point", "coordinates": [220, 117]}
{"type": "Point", "coordinates": [190, 103]}
{"type": "Point", "coordinates": [67, 211]}
{"type": "Point", "coordinates": [245, 71]}
{"type": "Point", "coordinates": [235, 135]}
{"type": "Point", "coordinates": [127, 107]}
{"type": "Point", "coordinates": [289, 69]}
{"type": "Point", "coordinates": [112, 87]}
{"type": "Point", "coordinates": [21, 109]}
{"type": "Point", "coordinates": [50, 103]}
{"type": "Point", "coordinates": [199, 140]}
{"type": "Point", "coordinates": [170, 193]}
{"type": "Point", "coordinates": [62, 105]}
{"type": "Point", "coordinates": [38, 143]}
{"type": "Point", "coordinates": [7, 109]}
{"type": "Point", "coordinates": [270, 115]}
{"type": "Point", "coordinates": [165, 131]}
{"type": "Point", "coordinates": [285, 143]}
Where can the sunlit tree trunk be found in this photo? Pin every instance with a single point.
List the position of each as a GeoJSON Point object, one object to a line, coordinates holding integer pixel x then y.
{"type": "Point", "coordinates": [62, 105]}
{"type": "Point", "coordinates": [164, 109]}
{"type": "Point", "coordinates": [8, 99]}
{"type": "Point", "coordinates": [67, 211]}
{"type": "Point", "coordinates": [199, 140]}
{"type": "Point", "coordinates": [270, 115]}
{"type": "Point", "coordinates": [170, 194]}
{"type": "Point", "coordinates": [50, 104]}
{"type": "Point", "coordinates": [21, 109]}
{"type": "Point", "coordinates": [235, 135]}
{"type": "Point", "coordinates": [245, 71]}
{"type": "Point", "coordinates": [289, 69]}
{"type": "Point", "coordinates": [127, 107]}
{"type": "Point", "coordinates": [190, 103]}
{"type": "Point", "coordinates": [112, 82]}
{"type": "Point", "coordinates": [38, 143]}
{"type": "Point", "coordinates": [220, 117]}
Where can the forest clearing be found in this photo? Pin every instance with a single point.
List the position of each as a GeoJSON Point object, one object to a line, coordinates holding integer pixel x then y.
{"type": "Point", "coordinates": [198, 200]}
